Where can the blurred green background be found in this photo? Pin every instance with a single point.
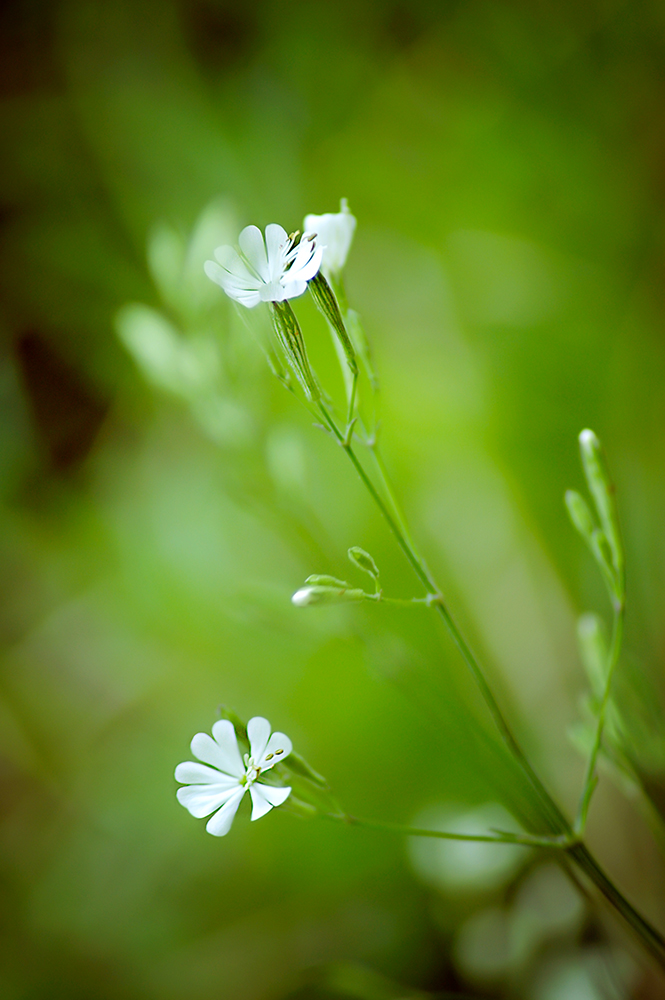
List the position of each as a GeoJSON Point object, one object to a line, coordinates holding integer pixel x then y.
{"type": "Point", "coordinates": [506, 163]}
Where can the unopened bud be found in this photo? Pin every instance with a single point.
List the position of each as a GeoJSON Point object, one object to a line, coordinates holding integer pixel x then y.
{"type": "Point", "coordinates": [294, 762]}
{"type": "Point", "coordinates": [580, 515]}
{"type": "Point", "coordinates": [327, 304]}
{"type": "Point", "coordinates": [306, 596]}
{"type": "Point", "coordinates": [601, 489]}
{"type": "Point", "coordinates": [321, 580]}
{"type": "Point", "coordinates": [363, 561]}
{"type": "Point", "coordinates": [290, 337]}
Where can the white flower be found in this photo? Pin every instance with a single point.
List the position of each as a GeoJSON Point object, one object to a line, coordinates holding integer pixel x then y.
{"type": "Point", "coordinates": [265, 271]}
{"type": "Point", "coordinates": [219, 789]}
{"type": "Point", "coordinates": [334, 231]}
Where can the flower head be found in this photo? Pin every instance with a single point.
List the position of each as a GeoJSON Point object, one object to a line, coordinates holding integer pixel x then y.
{"type": "Point", "coordinates": [269, 270]}
{"type": "Point", "coordinates": [334, 232]}
{"type": "Point", "coordinates": [218, 789]}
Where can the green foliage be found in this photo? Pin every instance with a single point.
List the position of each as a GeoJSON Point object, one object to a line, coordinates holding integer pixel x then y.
{"type": "Point", "coordinates": [504, 165]}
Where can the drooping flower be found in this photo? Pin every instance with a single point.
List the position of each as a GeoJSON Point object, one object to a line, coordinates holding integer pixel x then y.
{"type": "Point", "coordinates": [218, 789]}
{"type": "Point", "coordinates": [334, 232]}
{"type": "Point", "coordinates": [269, 270]}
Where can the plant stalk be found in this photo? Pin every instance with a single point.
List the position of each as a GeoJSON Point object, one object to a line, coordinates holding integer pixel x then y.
{"type": "Point", "coordinates": [652, 940]}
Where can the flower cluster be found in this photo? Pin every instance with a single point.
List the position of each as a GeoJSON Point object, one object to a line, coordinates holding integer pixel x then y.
{"type": "Point", "coordinates": [219, 789]}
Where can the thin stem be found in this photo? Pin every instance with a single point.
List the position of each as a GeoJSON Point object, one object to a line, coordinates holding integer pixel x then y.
{"type": "Point", "coordinates": [566, 838]}
{"type": "Point", "coordinates": [591, 779]}
{"type": "Point", "coordinates": [650, 937]}
{"type": "Point", "coordinates": [380, 598]}
{"type": "Point", "coordinates": [484, 838]}
{"type": "Point", "coordinates": [555, 819]}
{"type": "Point", "coordinates": [352, 398]}
{"type": "Point", "coordinates": [390, 491]}
{"type": "Point", "coordinates": [574, 849]}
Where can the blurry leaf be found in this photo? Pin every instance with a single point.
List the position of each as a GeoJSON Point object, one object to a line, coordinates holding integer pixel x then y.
{"type": "Point", "coordinates": [183, 367]}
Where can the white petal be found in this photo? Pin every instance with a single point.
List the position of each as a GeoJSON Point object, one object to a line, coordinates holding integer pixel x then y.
{"type": "Point", "coordinates": [335, 232]}
{"type": "Point", "coordinates": [242, 288]}
{"type": "Point", "coordinates": [225, 737]}
{"type": "Point", "coordinates": [264, 797]}
{"type": "Point", "coordinates": [214, 271]}
{"type": "Point", "coordinates": [222, 752]}
{"type": "Point", "coordinates": [302, 253]}
{"type": "Point", "coordinates": [306, 270]}
{"type": "Point", "coordinates": [220, 824]}
{"type": "Point", "coordinates": [254, 249]}
{"type": "Point", "coordinates": [277, 242]}
{"type": "Point", "coordinates": [260, 804]}
{"type": "Point", "coordinates": [201, 800]}
{"type": "Point", "coordinates": [279, 746]}
{"type": "Point", "coordinates": [293, 289]}
{"type": "Point", "coordinates": [275, 796]}
{"type": "Point", "coordinates": [230, 259]}
{"type": "Point", "coordinates": [190, 773]}
{"type": "Point", "coordinates": [258, 730]}
{"type": "Point", "coordinates": [275, 291]}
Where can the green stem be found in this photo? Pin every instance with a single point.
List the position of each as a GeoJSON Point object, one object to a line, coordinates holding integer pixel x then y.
{"type": "Point", "coordinates": [555, 819]}
{"type": "Point", "coordinates": [650, 937]}
{"type": "Point", "coordinates": [652, 940]}
{"type": "Point", "coordinates": [590, 778]}
{"type": "Point", "coordinates": [352, 398]}
{"type": "Point", "coordinates": [483, 838]}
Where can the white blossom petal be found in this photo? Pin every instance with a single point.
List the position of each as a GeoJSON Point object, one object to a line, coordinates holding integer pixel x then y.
{"type": "Point", "coordinates": [236, 269]}
{"type": "Point", "coordinates": [334, 232]}
{"type": "Point", "coordinates": [279, 746]}
{"type": "Point", "coordinates": [275, 796]}
{"type": "Point", "coordinates": [275, 291]}
{"type": "Point", "coordinates": [277, 245]}
{"type": "Point", "coordinates": [278, 291]}
{"type": "Point", "coordinates": [305, 270]}
{"type": "Point", "coordinates": [218, 789]}
{"type": "Point", "coordinates": [258, 731]}
{"type": "Point", "coordinates": [240, 289]}
{"type": "Point", "coordinates": [225, 737]}
{"type": "Point", "coordinates": [264, 797]}
{"type": "Point", "coordinates": [222, 752]}
{"type": "Point", "coordinates": [201, 800]}
{"type": "Point", "coordinates": [189, 773]}
{"type": "Point", "coordinates": [220, 824]}
{"type": "Point", "coordinates": [252, 245]}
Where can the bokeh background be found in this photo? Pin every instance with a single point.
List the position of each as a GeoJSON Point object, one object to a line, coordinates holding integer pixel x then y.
{"type": "Point", "coordinates": [163, 496]}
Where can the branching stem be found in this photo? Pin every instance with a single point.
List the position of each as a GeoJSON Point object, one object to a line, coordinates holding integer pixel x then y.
{"type": "Point", "coordinates": [565, 837]}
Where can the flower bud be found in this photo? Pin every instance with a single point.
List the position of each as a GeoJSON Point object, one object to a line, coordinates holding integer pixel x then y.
{"type": "Point", "coordinates": [291, 340]}
{"type": "Point", "coordinates": [580, 515]}
{"type": "Point", "coordinates": [600, 487]}
{"type": "Point", "coordinates": [325, 595]}
{"type": "Point", "coordinates": [334, 232]}
{"type": "Point", "coordinates": [363, 561]}
{"type": "Point", "coordinates": [321, 580]}
{"type": "Point", "coordinates": [294, 762]}
{"type": "Point", "coordinates": [327, 304]}
{"type": "Point", "coordinates": [299, 807]}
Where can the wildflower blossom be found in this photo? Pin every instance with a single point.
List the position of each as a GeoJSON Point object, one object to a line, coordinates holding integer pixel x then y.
{"type": "Point", "coordinates": [334, 232]}
{"type": "Point", "coordinates": [265, 270]}
{"type": "Point", "coordinates": [219, 789]}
